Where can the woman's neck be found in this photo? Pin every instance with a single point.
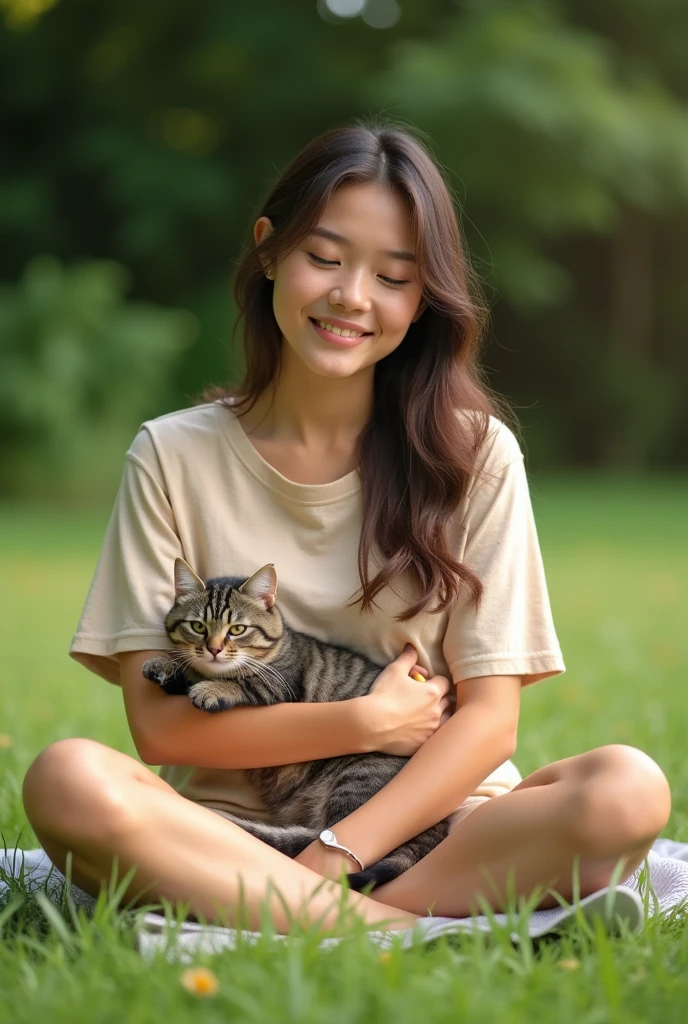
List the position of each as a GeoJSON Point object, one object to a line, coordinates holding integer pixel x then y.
{"type": "Point", "coordinates": [311, 411]}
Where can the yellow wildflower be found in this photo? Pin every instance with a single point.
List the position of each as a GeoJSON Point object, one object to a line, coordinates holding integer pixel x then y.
{"type": "Point", "coordinates": [569, 965]}
{"type": "Point", "coordinates": [200, 981]}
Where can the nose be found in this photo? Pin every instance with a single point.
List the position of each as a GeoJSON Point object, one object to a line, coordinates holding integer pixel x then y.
{"type": "Point", "coordinates": [214, 649]}
{"type": "Point", "coordinates": [351, 292]}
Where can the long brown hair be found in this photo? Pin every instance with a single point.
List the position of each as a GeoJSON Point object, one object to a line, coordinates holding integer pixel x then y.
{"type": "Point", "coordinates": [415, 456]}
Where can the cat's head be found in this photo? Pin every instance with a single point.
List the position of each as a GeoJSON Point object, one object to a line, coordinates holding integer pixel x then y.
{"type": "Point", "coordinates": [225, 625]}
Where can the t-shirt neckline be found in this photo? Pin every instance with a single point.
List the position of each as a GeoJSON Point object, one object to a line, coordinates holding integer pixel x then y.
{"type": "Point", "coordinates": [307, 494]}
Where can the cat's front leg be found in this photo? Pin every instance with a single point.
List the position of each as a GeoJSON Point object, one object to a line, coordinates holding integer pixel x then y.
{"type": "Point", "coordinates": [165, 672]}
{"type": "Point", "coordinates": [217, 695]}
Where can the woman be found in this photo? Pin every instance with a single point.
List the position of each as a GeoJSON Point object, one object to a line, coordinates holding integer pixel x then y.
{"type": "Point", "coordinates": [361, 452]}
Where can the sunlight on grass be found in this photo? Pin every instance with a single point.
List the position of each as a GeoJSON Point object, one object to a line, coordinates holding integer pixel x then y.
{"type": "Point", "coordinates": [617, 568]}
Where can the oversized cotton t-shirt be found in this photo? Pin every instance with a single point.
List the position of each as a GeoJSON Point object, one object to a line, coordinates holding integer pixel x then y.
{"type": "Point", "coordinates": [195, 486]}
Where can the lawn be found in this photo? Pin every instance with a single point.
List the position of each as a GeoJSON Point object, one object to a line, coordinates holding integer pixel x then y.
{"type": "Point", "coordinates": [616, 559]}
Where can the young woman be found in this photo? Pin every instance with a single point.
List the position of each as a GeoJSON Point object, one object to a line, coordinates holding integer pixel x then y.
{"type": "Point", "coordinates": [363, 455]}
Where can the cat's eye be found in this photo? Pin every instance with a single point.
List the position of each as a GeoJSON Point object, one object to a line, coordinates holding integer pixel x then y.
{"type": "Point", "coordinates": [198, 627]}
{"type": "Point", "coordinates": [235, 630]}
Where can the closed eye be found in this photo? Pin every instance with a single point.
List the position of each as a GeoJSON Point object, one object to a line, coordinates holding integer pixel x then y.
{"type": "Point", "coordinates": [319, 259]}
{"type": "Point", "coordinates": [335, 263]}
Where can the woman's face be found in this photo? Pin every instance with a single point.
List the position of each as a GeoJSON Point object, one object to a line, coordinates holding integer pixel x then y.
{"type": "Point", "coordinates": [361, 277]}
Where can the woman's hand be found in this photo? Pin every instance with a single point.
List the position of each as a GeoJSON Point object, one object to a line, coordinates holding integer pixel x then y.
{"type": "Point", "coordinates": [402, 713]}
{"type": "Point", "coordinates": [327, 862]}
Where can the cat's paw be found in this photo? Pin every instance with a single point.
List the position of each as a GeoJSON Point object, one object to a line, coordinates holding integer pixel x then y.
{"type": "Point", "coordinates": [379, 874]}
{"type": "Point", "coordinates": [216, 695]}
{"type": "Point", "coordinates": [159, 670]}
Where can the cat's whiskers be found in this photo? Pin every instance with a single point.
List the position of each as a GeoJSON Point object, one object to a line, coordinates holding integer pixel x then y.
{"type": "Point", "coordinates": [265, 672]}
{"type": "Point", "coordinates": [265, 678]}
{"type": "Point", "coordinates": [279, 677]}
{"type": "Point", "coordinates": [263, 665]}
{"type": "Point", "coordinates": [183, 660]}
{"type": "Point", "coordinates": [181, 653]}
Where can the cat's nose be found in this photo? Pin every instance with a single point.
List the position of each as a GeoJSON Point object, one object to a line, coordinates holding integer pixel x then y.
{"type": "Point", "coordinates": [214, 650]}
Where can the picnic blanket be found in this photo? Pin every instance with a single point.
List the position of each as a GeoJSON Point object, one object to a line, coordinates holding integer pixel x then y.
{"type": "Point", "coordinates": [660, 886]}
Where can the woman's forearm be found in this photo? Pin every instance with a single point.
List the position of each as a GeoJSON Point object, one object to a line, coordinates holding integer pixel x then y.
{"type": "Point", "coordinates": [256, 737]}
{"type": "Point", "coordinates": [170, 730]}
{"type": "Point", "coordinates": [437, 779]}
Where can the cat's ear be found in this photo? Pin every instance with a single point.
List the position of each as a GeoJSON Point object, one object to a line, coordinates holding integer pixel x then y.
{"type": "Point", "coordinates": [262, 586]}
{"type": "Point", "coordinates": [185, 579]}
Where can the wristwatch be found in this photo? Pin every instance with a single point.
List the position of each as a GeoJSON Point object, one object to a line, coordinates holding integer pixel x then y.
{"type": "Point", "coordinates": [328, 838]}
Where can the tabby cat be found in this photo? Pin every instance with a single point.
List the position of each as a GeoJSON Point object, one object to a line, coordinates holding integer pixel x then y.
{"type": "Point", "coordinates": [232, 647]}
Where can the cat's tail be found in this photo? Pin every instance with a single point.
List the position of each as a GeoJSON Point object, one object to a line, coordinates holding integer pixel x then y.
{"type": "Point", "coordinates": [288, 839]}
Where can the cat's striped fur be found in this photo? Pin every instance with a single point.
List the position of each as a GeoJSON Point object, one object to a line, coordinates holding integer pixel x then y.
{"type": "Point", "coordinates": [220, 666]}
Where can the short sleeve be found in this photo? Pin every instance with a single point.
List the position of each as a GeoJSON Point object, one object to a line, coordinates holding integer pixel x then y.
{"type": "Point", "coordinates": [512, 632]}
{"type": "Point", "coordinates": [132, 588]}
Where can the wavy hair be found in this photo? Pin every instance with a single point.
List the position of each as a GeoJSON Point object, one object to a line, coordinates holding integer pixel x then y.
{"type": "Point", "coordinates": [415, 454]}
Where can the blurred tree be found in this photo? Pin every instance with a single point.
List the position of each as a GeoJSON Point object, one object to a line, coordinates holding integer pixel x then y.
{"type": "Point", "coordinates": [147, 134]}
{"type": "Point", "coordinates": [553, 137]}
{"type": "Point", "coordinates": [648, 297]}
{"type": "Point", "coordinates": [79, 366]}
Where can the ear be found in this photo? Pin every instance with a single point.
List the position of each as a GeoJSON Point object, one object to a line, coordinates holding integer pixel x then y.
{"type": "Point", "coordinates": [185, 579]}
{"type": "Point", "coordinates": [262, 229]}
{"type": "Point", "coordinates": [262, 586]}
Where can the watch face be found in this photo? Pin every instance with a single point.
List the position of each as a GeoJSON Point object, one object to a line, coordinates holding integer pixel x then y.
{"type": "Point", "coordinates": [327, 836]}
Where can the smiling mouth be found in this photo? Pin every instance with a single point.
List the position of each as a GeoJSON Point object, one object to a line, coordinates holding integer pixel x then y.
{"type": "Point", "coordinates": [339, 331]}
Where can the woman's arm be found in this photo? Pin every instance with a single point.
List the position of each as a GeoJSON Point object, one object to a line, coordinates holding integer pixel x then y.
{"type": "Point", "coordinates": [170, 730]}
{"type": "Point", "coordinates": [479, 736]}
{"type": "Point", "coordinates": [397, 718]}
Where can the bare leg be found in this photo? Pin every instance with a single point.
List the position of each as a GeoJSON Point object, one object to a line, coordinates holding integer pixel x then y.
{"type": "Point", "coordinates": [606, 804]}
{"type": "Point", "coordinates": [82, 796]}
{"type": "Point", "coordinates": [600, 806]}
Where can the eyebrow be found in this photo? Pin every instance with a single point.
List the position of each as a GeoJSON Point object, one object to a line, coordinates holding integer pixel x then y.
{"type": "Point", "coordinates": [396, 254]}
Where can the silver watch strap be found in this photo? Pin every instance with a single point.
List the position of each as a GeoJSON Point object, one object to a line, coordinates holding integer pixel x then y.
{"type": "Point", "coordinates": [328, 838]}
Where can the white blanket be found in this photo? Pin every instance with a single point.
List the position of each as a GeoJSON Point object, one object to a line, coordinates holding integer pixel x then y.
{"type": "Point", "coordinates": [624, 905]}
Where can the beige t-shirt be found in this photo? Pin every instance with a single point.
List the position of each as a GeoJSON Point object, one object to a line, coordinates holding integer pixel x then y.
{"type": "Point", "coordinates": [195, 486]}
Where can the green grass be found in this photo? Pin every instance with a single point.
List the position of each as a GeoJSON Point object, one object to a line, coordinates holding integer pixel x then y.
{"type": "Point", "coordinates": [617, 566]}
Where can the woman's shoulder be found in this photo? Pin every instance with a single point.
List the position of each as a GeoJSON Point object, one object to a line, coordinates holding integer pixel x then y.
{"type": "Point", "coordinates": [183, 437]}
{"type": "Point", "coordinates": [500, 445]}
{"type": "Point", "coordinates": [188, 433]}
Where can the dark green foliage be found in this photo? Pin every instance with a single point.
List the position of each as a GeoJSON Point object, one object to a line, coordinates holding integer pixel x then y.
{"type": "Point", "coordinates": [146, 135]}
{"type": "Point", "coordinates": [79, 366]}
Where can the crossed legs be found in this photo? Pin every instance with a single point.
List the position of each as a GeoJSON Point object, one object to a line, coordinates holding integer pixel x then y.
{"type": "Point", "coordinates": [593, 808]}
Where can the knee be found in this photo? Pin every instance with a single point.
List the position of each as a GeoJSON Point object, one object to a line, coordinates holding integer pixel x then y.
{"type": "Point", "coordinates": [68, 792]}
{"type": "Point", "coordinates": [621, 800]}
